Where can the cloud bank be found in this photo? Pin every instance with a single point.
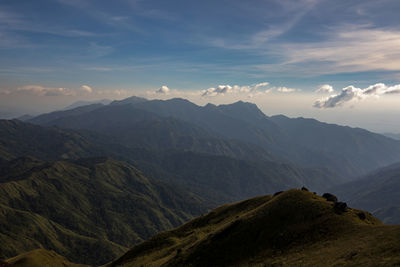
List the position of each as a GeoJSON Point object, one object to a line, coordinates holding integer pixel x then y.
{"type": "Point", "coordinates": [39, 90]}
{"type": "Point", "coordinates": [249, 90]}
{"type": "Point", "coordinates": [353, 94]}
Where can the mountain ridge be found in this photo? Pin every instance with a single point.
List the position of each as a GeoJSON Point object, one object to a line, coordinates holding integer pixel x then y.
{"type": "Point", "coordinates": [294, 227]}
{"type": "Point", "coordinates": [306, 142]}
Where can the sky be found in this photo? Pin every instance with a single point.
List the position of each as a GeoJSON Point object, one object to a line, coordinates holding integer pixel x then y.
{"type": "Point", "coordinates": [337, 61]}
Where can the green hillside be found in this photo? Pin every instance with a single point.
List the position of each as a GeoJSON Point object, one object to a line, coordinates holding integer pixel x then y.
{"type": "Point", "coordinates": [89, 210]}
{"type": "Point", "coordinates": [18, 138]}
{"type": "Point", "coordinates": [294, 228]}
{"type": "Point", "coordinates": [41, 258]}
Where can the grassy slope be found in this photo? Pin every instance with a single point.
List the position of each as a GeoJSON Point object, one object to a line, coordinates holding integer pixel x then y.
{"type": "Point", "coordinates": [40, 258]}
{"type": "Point", "coordinates": [18, 139]}
{"type": "Point", "coordinates": [295, 228]}
{"type": "Point", "coordinates": [90, 210]}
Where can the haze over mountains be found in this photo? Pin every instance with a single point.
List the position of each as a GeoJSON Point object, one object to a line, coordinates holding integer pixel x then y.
{"type": "Point", "coordinates": [302, 141]}
{"type": "Point", "coordinates": [126, 170]}
{"type": "Point", "coordinates": [377, 192]}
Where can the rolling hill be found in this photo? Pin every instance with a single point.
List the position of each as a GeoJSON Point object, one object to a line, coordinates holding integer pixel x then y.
{"type": "Point", "coordinates": [88, 210]}
{"type": "Point", "coordinates": [293, 228]}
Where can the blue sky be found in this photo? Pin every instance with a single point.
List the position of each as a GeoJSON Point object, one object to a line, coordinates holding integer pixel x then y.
{"type": "Point", "coordinates": [136, 46]}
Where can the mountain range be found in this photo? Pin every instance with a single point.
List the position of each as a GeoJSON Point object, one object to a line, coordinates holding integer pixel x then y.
{"type": "Point", "coordinates": [173, 124]}
{"type": "Point", "coordinates": [92, 181]}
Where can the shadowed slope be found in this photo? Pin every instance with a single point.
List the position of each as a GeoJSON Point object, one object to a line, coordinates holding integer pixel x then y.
{"type": "Point", "coordinates": [197, 161]}
{"type": "Point", "coordinates": [295, 227]}
{"type": "Point", "coordinates": [40, 258]}
{"type": "Point", "coordinates": [88, 210]}
{"type": "Point", "coordinates": [18, 138]}
{"type": "Point", "coordinates": [377, 192]}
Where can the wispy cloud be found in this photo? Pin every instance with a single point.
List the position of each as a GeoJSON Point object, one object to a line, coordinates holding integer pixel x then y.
{"type": "Point", "coordinates": [97, 50]}
{"type": "Point", "coordinates": [337, 49]}
{"type": "Point", "coordinates": [293, 11]}
{"type": "Point", "coordinates": [350, 49]}
{"type": "Point", "coordinates": [12, 22]}
{"type": "Point", "coordinates": [101, 69]}
{"type": "Point", "coordinates": [353, 94]}
{"type": "Point", "coordinates": [38, 90]}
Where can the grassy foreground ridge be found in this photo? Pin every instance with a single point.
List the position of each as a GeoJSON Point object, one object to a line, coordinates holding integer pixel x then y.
{"type": "Point", "coordinates": [293, 228]}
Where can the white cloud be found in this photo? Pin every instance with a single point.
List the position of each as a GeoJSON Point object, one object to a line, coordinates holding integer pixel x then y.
{"type": "Point", "coordinates": [260, 85]}
{"type": "Point", "coordinates": [235, 89]}
{"type": "Point", "coordinates": [353, 94]}
{"type": "Point", "coordinates": [249, 90]}
{"type": "Point", "coordinates": [220, 90]}
{"type": "Point", "coordinates": [86, 88]}
{"type": "Point", "coordinates": [163, 90]}
{"type": "Point", "coordinates": [285, 90]}
{"type": "Point", "coordinates": [326, 88]}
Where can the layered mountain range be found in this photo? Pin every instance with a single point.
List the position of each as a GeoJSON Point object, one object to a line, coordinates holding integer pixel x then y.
{"type": "Point", "coordinates": [92, 181]}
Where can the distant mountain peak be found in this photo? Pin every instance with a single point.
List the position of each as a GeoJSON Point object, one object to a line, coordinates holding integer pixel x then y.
{"type": "Point", "coordinates": [129, 100]}
{"type": "Point", "coordinates": [245, 110]}
{"type": "Point", "coordinates": [86, 103]}
{"type": "Point", "coordinates": [25, 117]}
{"type": "Point", "coordinates": [242, 105]}
{"type": "Point", "coordinates": [210, 105]}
